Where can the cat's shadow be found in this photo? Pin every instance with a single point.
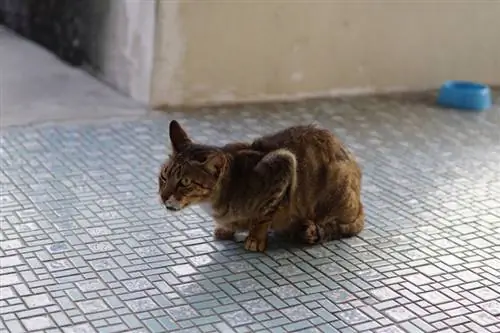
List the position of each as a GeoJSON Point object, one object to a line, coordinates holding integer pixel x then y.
{"type": "Point", "coordinates": [276, 242]}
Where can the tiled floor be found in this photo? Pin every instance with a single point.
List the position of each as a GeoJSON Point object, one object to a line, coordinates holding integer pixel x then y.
{"type": "Point", "coordinates": [86, 247]}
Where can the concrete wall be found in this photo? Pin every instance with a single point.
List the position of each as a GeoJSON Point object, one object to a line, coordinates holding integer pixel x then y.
{"type": "Point", "coordinates": [230, 51]}
{"type": "Point", "coordinates": [121, 44]}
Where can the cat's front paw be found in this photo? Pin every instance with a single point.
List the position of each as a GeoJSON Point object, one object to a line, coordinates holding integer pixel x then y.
{"type": "Point", "coordinates": [223, 233]}
{"type": "Point", "coordinates": [255, 245]}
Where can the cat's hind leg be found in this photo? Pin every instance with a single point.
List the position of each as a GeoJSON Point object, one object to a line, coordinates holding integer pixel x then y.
{"type": "Point", "coordinates": [314, 233]}
{"type": "Point", "coordinates": [349, 227]}
{"type": "Point", "coordinates": [332, 228]}
{"type": "Point", "coordinates": [340, 214]}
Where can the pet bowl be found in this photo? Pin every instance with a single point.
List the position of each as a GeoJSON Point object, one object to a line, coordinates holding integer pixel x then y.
{"type": "Point", "coordinates": [465, 95]}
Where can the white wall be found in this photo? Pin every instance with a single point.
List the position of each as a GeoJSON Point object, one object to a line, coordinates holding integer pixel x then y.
{"type": "Point", "coordinates": [174, 52]}
{"type": "Point", "coordinates": [216, 51]}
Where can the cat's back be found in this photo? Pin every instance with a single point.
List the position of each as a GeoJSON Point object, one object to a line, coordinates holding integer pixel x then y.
{"type": "Point", "coordinates": [307, 142]}
{"type": "Point", "coordinates": [324, 165]}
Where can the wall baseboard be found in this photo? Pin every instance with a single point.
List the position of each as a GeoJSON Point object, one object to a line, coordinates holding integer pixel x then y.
{"type": "Point", "coordinates": [291, 98]}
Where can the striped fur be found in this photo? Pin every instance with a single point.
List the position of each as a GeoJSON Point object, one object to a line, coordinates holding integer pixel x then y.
{"type": "Point", "coordinates": [301, 181]}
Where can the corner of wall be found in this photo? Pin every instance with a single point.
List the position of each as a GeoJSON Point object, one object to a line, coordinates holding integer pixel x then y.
{"type": "Point", "coordinates": [169, 48]}
{"type": "Point", "coordinates": [141, 17]}
{"type": "Point", "coordinates": [122, 45]}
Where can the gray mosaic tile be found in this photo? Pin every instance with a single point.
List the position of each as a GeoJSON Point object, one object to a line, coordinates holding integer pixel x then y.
{"type": "Point", "coordinates": [182, 312]}
{"type": "Point", "coordinates": [260, 305]}
{"type": "Point", "coordinates": [41, 300]}
{"type": "Point", "coordinates": [37, 323]}
{"type": "Point", "coordinates": [297, 313]}
{"type": "Point", "coordinates": [141, 305]}
{"type": "Point", "coordinates": [85, 246]}
{"type": "Point", "coordinates": [238, 318]}
{"type": "Point", "coordinates": [91, 306]}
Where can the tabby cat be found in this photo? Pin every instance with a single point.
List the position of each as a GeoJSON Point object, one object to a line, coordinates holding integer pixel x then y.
{"type": "Point", "coordinates": [301, 181]}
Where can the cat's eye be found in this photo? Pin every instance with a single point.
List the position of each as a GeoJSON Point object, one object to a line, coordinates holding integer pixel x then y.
{"type": "Point", "coordinates": [185, 181]}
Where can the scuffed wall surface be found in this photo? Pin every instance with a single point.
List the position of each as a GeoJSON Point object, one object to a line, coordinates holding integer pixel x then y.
{"type": "Point", "coordinates": [123, 44]}
{"type": "Point", "coordinates": [169, 57]}
{"type": "Point", "coordinates": [240, 51]}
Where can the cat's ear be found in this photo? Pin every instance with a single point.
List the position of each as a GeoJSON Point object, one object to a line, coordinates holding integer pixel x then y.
{"type": "Point", "coordinates": [215, 163]}
{"type": "Point", "coordinates": [178, 137]}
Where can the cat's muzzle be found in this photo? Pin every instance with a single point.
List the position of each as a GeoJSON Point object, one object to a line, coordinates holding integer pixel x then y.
{"type": "Point", "coordinates": [173, 204]}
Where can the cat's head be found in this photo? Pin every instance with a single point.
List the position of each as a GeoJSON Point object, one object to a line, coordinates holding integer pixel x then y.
{"type": "Point", "coordinates": [192, 172]}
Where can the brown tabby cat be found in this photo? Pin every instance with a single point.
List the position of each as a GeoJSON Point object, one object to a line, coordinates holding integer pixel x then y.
{"type": "Point", "coordinates": [300, 180]}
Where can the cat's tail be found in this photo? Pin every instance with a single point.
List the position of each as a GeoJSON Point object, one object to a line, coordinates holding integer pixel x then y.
{"type": "Point", "coordinates": [292, 160]}
{"type": "Point", "coordinates": [281, 166]}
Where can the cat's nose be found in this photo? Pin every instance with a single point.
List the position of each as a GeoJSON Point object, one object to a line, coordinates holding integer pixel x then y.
{"type": "Point", "coordinates": [173, 204]}
{"type": "Point", "coordinates": [164, 196]}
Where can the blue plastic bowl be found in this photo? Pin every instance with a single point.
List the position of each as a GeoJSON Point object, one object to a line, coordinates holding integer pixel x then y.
{"type": "Point", "coordinates": [465, 95]}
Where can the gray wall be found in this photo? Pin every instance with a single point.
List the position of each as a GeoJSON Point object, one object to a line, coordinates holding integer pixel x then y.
{"type": "Point", "coordinates": [112, 39]}
{"type": "Point", "coordinates": [120, 44]}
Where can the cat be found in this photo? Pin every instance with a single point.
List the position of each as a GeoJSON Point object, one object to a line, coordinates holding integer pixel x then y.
{"type": "Point", "coordinates": [301, 181]}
